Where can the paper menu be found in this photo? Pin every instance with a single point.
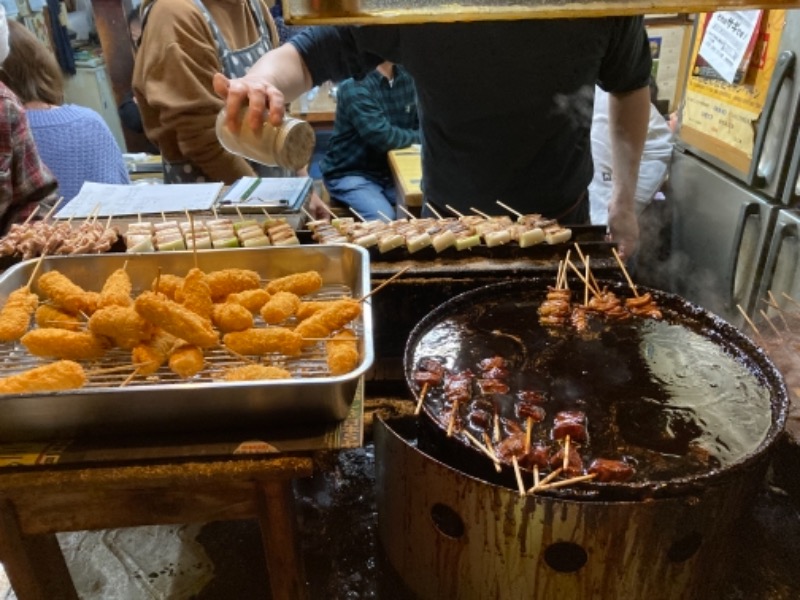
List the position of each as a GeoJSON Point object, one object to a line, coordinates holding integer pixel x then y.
{"type": "Point", "coordinates": [104, 199]}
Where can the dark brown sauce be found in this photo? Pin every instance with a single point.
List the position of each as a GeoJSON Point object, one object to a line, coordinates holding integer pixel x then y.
{"type": "Point", "coordinates": [660, 395]}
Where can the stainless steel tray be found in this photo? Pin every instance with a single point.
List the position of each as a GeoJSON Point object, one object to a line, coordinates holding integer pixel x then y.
{"type": "Point", "coordinates": [109, 405]}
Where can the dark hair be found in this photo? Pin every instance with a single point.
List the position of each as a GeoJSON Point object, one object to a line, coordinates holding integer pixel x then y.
{"type": "Point", "coordinates": [31, 69]}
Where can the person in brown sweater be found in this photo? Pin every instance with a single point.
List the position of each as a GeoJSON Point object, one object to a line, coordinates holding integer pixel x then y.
{"type": "Point", "coordinates": [183, 43]}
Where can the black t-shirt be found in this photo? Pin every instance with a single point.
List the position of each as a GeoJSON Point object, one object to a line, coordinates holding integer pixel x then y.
{"type": "Point", "coordinates": [505, 107]}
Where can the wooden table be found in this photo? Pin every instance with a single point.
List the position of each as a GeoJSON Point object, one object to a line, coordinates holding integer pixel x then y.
{"type": "Point", "coordinates": [406, 166]}
{"type": "Point", "coordinates": [75, 485]}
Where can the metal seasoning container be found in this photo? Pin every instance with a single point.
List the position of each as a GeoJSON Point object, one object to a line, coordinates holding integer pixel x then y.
{"type": "Point", "coordinates": [290, 145]}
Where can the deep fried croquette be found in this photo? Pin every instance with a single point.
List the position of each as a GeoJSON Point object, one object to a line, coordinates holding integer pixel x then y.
{"type": "Point", "coordinates": [195, 294]}
{"type": "Point", "coordinates": [167, 284]}
{"type": "Point", "coordinates": [176, 319]}
{"type": "Point", "coordinates": [186, 360]}
{"type": "Point", "coordinates": [255, 372]}
{"type": "Point", "coordinates": [15, 316]}
{"type": "Point", "coordinates": [231, 281]}
{"type": "Point", "coordinates": [342, 352]}
{"type": "Point", "coordinates": [51, 316]}
{"type": "Point", "coordinates": [252, 300]}
{"type": "Point", "coordinates": [262, 341]}
{"type": "Point", "coordinates": [148, 357]}
{"type": "Point", "coordinates": [230, 316]}
{"type": "Point", "coordinates": [116, 291]}
{"type": "Point", "coordinates": [66, 294]}
{"type": "Point", "coordinates": [122, 325]}
{"type": "Point", "coordinates": [60, 343]}
{"type": "Point", "coordinates": [280, 307]}
{"type": "Point", "coordinates": [52, 377]}
{"type": "Point", "coordinates": [324, 322]}
{"type": "Point", "coordinates": [307, 282]}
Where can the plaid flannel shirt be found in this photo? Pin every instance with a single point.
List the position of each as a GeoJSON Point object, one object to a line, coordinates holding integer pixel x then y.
{"type": "Point", "coordinates": [25, 181]}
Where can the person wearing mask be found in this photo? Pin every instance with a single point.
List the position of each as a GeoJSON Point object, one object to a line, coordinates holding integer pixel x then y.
{"type": "Point", "coordinates": [25, 182]}
{"type": "Point", "coordinates": [653, 168]}
{"type": "Point", "coordinates": [373, 115]}
{"type": "Point", "coordinates": [73, 141]}
{"type": "Point", "coordinates": [183, 44]}
{"type": "Point", "coordinates": [505, 107]}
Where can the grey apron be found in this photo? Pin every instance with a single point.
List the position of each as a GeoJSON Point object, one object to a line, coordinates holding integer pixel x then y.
{"type": "Point", "coordinates": [235, 63]}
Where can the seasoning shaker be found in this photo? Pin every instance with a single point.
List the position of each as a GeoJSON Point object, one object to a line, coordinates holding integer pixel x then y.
{"type": "Point", "coordinates": [290, 145]}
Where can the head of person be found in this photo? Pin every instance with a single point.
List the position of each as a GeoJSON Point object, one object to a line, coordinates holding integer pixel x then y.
{"type": "Point", "coordinates": [31, 70]}
{"type": "Point", "coordinates": [3, 34]}
{"type": "Point", "coordinates": [135, 28]}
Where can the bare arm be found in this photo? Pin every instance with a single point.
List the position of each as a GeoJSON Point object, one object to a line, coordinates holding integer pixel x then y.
{"type": "Point", "coordinates": [628, 121]}
{"type": "Point", "coordinates": [278, 76]}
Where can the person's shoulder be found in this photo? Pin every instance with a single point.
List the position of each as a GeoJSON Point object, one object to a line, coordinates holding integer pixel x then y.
{"type": "Point", "coordinates": [168, 14]}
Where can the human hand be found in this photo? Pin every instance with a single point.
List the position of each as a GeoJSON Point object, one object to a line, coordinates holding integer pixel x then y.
{"type": "Point", "coordinates": [623, 229]}
{"type": "Point", "coordinates": [259, 96]}
{"type": "Point", "coordinates": [317, 208]}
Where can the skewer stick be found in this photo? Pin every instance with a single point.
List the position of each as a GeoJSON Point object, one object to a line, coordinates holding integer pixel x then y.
{"type": "Point", "coordinates": [774, 304]}
{"type": "Point", "coordinates": [53, 209]}
{"type": "Point", "coordinates": [480, 213]}
{"type": "Point", "coordinates": [587, 274]}
{"type": "Point", "coordinates": [509, 209]}
{"type": "Point", "coordinates": [583, 259]}
{"type": "Point", "coordinates": [35, 270]}
{"type": "Point", "coordinates": [584, 280]}
{"type": "Point", "coordinates": [496, 428]}
{"type": "Point", "coordinates": [748, 320]}
{"type": "Point", "coordinates": [422, 393]}
{"type": "Point", "coordinates": [454, 211]}
{"type": "Point", "coordinates": [770, 323]}
{"type": "Point", "coordinates": [435, 212]}
{"type": "Point", "coordinates": [518, 475]}
{"type": "Point", "coordinates": [790, 299]}
{"type": "Point", "coordinates": [386, 217]}
{"type": "Point", "coordinates": [119, 369]}
{"type": "Point", "coordinates": [483, 449]}
{"type": "Point", "coordinates": [130, 377]}
{"type": "Point", "coordinates": [214, 211]}
{"type": "Point", "coordinates": [566, 482]}
{"type": "Point", "coordinates": [356, 213]}
{"type": "Point", "coordinates": [33, 214]}
{"type": "Point", "coordinates": [552, 475]}
{"type": "Point", "coordinates": [329, 211]}
{"type": "Point", "coordinates": [565, 462]}
{"type": "Point", "coordinates": [239, 212]}
{"type": "Point", "coordinates": [308, 214]}
{"type": "Point", "coordinates": [194, 237]}
{"type": "Point", "coordinates": [564, 274]}
{"type": "Point", "coordinates": [528, 431]}
{"type": "Point", "coordinates": [385, 283]}
{"type": "Point", "coordinates": [451, 424]}
{"type": "Point", "coordinates": [409, 214]}
{"type": "Point", "coordinates": [625, 272]}
{"type": "Point", "coordinates": [535, 475]}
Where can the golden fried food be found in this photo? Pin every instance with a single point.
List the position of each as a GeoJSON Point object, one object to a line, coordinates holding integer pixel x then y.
{"type": "Point", "coordinates": [52, 316]}
{"type": "Point", "coordinates": [122, 325]}
{"type": "Point", "coordinates": [324, 322]}
{"type": "Point", "coordinates": [52, 377]}
{"type": "Point", "coordinates": [50, 342]}
{"type": "Point", "coordinates": [116, 290]}
{"type": "Point", "coordinates": [280, 307]}
{"type": "Point", "coordinates": [176, 319]}
{"type": "Point", "coordinates": [307, 282]}
{"type": "Point", "coordinates": [66, 294]}
{"type": "Point", "coordinates": [148, 357]}
{"type": "Point", "coordinates": [195, 294]}
{"type": "Point", "coordinates": [231, 281]}
{"type": "Point", "coordinates": [252, 300]}
{"type": "Point", "coordinates": [186, 360]}
{"type": "Point", "coordinates": [15, 315]}
{"type": "Point", "coordinates": [255, 372]}
{"type": "Point", "coordinates": [342, 352]}
{"type": "Point", "coordinates": [262, 341]}
{"type": "Point", "coordinates": [309, 307]}
{"type": "Point", "coordinates": [230, 316]}
{"type": "Point", "coordinates": [167, 284]}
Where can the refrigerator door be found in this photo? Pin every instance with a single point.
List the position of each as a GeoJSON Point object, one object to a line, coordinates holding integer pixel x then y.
{"type": "Point", "coordinates": [780, 285]}
{"type": "Point", "coordinates": [720, 230]}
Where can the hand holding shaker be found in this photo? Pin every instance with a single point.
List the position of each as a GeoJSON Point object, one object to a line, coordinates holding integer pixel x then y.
{"type": "Point", "coordinates": [290, 145]}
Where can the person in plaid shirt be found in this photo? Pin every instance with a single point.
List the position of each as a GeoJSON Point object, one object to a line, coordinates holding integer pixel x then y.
{"type": "Point", "coordinates": [25, 181]}
{"type": "Point", "coordinates": [373, 115]}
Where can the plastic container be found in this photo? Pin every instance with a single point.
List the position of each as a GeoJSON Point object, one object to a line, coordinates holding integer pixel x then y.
{"type": "Point", "coordinates": [290, 145]}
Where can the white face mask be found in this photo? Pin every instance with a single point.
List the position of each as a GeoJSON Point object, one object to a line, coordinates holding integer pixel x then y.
{"type": "Point", "coordinates": [3, 35]}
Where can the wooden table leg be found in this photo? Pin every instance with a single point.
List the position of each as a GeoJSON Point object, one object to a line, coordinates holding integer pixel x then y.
{"type": "Point", "coordinates": [34, 564]}
{"type": "Point", "coordinates": [278, 522]}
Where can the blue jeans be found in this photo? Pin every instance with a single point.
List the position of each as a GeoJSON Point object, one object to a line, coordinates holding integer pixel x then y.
{"type": "Point", "coordinates": [367, 196]}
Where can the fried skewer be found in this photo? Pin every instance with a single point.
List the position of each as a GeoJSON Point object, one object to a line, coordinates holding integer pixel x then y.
{"type": "Point", "coordinates": [422, 393]}
{"type": "Point", "coordinates": [385, 283]}
{"type": "Point", "coordinates": [52, 377]}
{"type": "Point", "coordinates": [625, 272]}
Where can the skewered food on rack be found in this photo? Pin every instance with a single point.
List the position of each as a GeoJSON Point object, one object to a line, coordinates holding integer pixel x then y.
{"type": "Point", "coordinates": [51, 316]}
{"type": "Point", "coordinates": [300, 284]}
{"type": "Point", "coordinates": [167, 284]}
{"type": "Point", "coordinates": [556, 308]}
{"type": "Point", "coordinates": [230, 316]}
{"type": "Point", "coordinates": [255, 373]}
{"type": "Point", "coordinates": [116, 290]}
{"type": "Point", "coordinates": [122, 325]}
{"type": "Point", "coordinates": [342, 352]}
{"type": "Point", "coordinates": [259, 341]}
{"type": "Point", "coordinates": [176, 319]}
{"type": "Point", "coordinates": [149, 356]}
{"type": "Point", "coordinates": [63, 344]}
{"type": "Point", "coordinates": [252, 300]}
{"type": "Point", "coordinates": [332, 318]}
{"type": "Point", "coordinates": [231, 281]}
{"type": "Point", "coordinates": [52, 377]}
{"type": "Point", "coordinates": [610, 470]}
{"type": "Point", "coordinates": [65, 293]}
{"type": "Point", "coordinates": [195, 293]}
{"type": "Point", "coordinates": [33, 239]}
{"type": "Point", "coordinates": [16, 313]}
{"type": "Point", "coordinates": [279, 307]}
{"type": "Point", "coordinates": [643, 306]}
{"type": "Point", "coordinates": [186, 360]}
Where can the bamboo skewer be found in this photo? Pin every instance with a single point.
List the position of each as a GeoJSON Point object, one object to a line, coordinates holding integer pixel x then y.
{"type": "Point", "coordinates": [33, 214]}
{"type": "Point", "coordinates": [748, 320]}
{"type": "Point", "coordinates": [566, 482]}
{"type": "Point", "coordinates": [327, 209]}
{"type": "Point", "coordinates": [451, 423]}
{"type": "Point", "coordinates": [496, 426]}
{"type": "Point", "coordinates": [35, 270]}
{"type": "Point", "coordinates": [483, 449]}
{"type": "Point", "coordinates": [565, 462]}
{"type": "Point", "coordinates": [770, 323]}
{"type": "Point", "coordinates": [552, 475]}
{"type": "Point", "coordinates": [583, 259]}
{"type": "Point", "coordinates": [356, 213]}
{"type": "Point", "coordinates": [454, 211]}
{"type": "Point", "coordinates": [528, 431]}
{"type": "Point", "coordinates": [518, 475]}
{"type": "Point", "coordinates": [385, 283]}
{"type": "Point", "coordinates": [194, 238]}
{"type": "Point", "coordinates": [422, 393]}
{"type": "Point", "coordinates": [535, 475]}
{"type": "Point", "coordinates": [53, 208]}
{"type": "Point", "coordinates": [480, 213]}
{"type": "Point", "coordinates": [386, 217]}
{"type": "Point", "coordinates": [435, 212]}
{"type": "Point", "coordinates": [509, 209]}
{"type": "Point", "coordinates": [774, 304]}
{"type": "Point", "coordinates": [588, 275]}
{"type": "Point", "coordinates": [625, 272]}
{"type": "Point", "coordinates": [790, 299]}
{"type": "Point", "coordinates": [408, 213]}
{"type": "Point", "coordinates": [130, 377]}
{"type": "Point", "coordinates": [585, 281]}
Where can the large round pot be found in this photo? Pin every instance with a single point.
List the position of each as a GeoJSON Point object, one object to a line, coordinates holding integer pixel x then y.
{"type": "Point", "coordinates": [452, 534]}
